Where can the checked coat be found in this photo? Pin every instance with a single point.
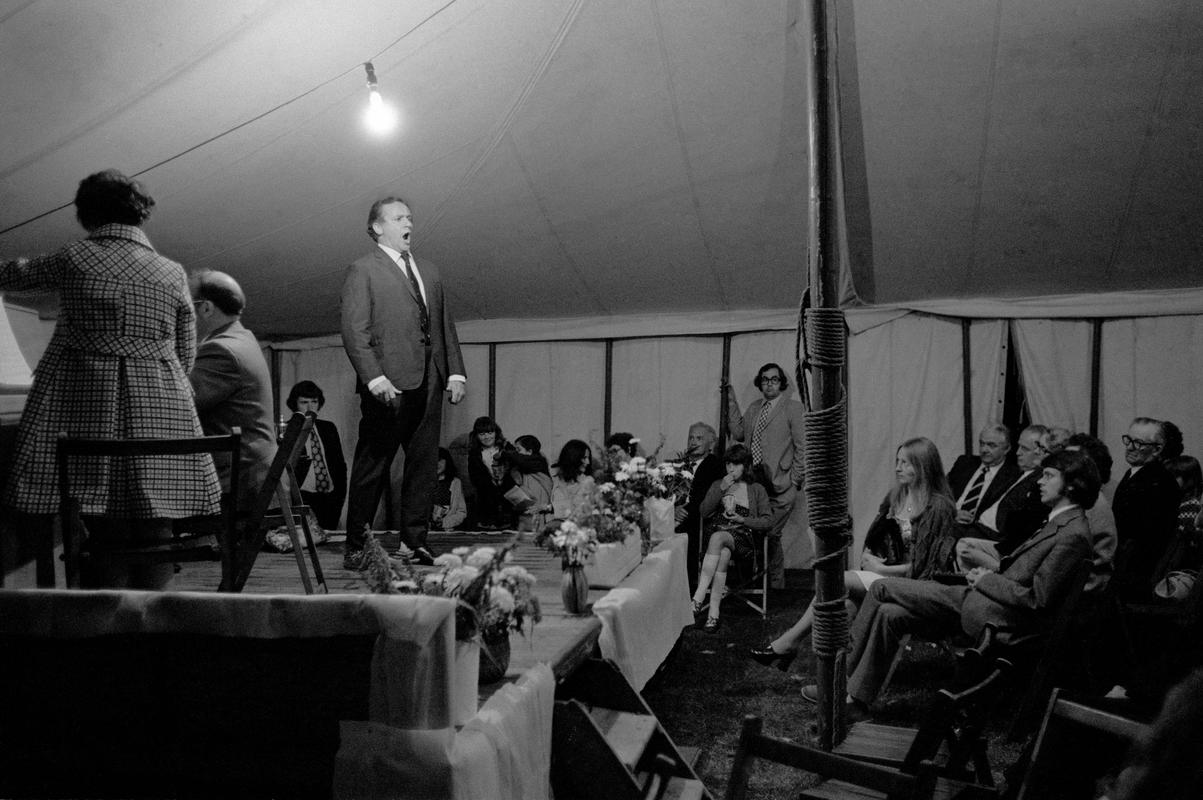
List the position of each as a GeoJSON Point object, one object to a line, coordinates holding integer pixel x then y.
{"type": "Point", "coordinates": [116, 367]}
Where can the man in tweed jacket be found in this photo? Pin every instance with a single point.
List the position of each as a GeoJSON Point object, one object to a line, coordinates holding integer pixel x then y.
{"type": "Point", "coordinates": [231, 380]}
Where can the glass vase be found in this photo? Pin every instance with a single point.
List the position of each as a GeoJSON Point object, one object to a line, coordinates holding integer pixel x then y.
{"type": "Point", "coordinates": [574, 589]}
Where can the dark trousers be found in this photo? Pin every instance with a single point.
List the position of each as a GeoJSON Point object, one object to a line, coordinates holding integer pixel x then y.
{"type": "Point", "coordinates": [327, 506]}
{"type": "Point", "coordinates": [411, 423]}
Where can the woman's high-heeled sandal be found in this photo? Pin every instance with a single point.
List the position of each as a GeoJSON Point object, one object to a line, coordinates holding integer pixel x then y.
{"type": "Point", "coordinates": [769, 657]}
{"type": "Point", "coordinates": [711, 625]}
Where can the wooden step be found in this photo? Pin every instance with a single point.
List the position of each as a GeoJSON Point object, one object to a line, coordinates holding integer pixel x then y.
{"type": "Point", "coordinates": [684, 789]}
{"type": "Point", "coordinates": [627, 734]}
{"type": "Point", "coordinates": [689, 754]}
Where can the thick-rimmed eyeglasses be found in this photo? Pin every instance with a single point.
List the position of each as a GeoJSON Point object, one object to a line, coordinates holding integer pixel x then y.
{"type": "Point", "coordinates": [1140, 444]}
{"type": "Point", "coordinates": [771, 379]}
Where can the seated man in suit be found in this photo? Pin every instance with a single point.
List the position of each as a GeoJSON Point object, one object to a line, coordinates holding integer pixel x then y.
{"type": "Point", "coordinates": [1019, 600]}
{"type": "Point", "coordinates": [231, 379]}
{"type": "Point", "coordinates": [707, 467]}
{"type": "Point", "coordinates": [1014, 514]}
{"type": "Point", "coordinates": [977, 482]}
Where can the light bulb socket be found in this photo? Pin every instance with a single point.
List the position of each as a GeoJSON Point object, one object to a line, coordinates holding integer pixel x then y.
{"type": "Point", "coordinates": [371, 71]}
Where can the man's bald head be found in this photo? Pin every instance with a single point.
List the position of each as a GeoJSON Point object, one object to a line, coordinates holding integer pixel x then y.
{"type": "Point", "coordinates": [219, 289]}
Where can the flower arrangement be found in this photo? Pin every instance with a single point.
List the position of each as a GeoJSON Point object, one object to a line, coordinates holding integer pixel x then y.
{"type": "Point", "coordinates": [493, 595]}
{"type": "Point", "coordinates": [571, 541]}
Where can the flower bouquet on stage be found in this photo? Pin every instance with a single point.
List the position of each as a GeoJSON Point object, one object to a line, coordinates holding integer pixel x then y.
{"type": "Point", "coordinates": [493, 597]}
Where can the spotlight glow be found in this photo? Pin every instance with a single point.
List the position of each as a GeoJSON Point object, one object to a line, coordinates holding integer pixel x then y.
{"type": "Point", "coordinates": [380, 118]}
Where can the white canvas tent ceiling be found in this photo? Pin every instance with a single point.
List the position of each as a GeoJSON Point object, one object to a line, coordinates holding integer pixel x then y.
{"type": "Point", "coordinates": [578, 158]}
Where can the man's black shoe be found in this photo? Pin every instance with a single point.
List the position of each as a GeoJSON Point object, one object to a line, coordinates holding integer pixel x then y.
{"type": "Point", "coordinates": [423, 556]}
{"type": "Point", "coordinates": [353, 560]}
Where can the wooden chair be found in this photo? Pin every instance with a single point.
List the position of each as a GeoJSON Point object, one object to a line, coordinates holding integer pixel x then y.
{"type": "Point", "coordinates": [845, 777]}
{"type": "Point", "coordinates": [1076, 744]}
{"type": "Point", "coordinates": [77, 546]}
{"type": "Point", "coordinates": [952, 735]}
{"type": "Point", "coordinates": [747, 582]}
{"type": "Point", "coordinates": [256, 523]}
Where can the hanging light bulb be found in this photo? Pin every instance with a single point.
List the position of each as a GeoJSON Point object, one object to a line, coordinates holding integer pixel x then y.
{"type": "Point", "coordinates": [380, 118]}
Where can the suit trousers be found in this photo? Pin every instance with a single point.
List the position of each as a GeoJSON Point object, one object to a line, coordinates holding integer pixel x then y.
{"type": "Point", "coordinates": [324, 508]}
{"type": "Point", "coordinates": [411, 423]}
{"type": "Point", "coordinates": [894, 607]}
{"type": "Point", "coordinates": [782, 506]}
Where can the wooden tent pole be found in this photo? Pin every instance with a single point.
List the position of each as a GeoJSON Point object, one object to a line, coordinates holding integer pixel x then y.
{"type": "Point", "coordinates": [826, 372]}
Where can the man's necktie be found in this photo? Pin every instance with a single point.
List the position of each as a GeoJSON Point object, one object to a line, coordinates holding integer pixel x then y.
{"type": "Point", "coordinates": [974, 495]}
{"type": "Point", "coordinates": [762, 422]}
{"type": "Point", "coordinates": [321, 473]}
{"type": "Point", "coordinates": [413, 281]}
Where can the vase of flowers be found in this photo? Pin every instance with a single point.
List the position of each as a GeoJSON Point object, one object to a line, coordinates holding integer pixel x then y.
{"type": "Point", "coordinates": [574, 543]}
{"type": "Point", "coordinates": [493, 597]}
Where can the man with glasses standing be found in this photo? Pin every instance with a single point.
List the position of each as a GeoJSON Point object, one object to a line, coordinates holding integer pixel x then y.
{"type": "Point", "coordinates": [772, 428]}
{"type": "Point", "coordinates": [1145, 507]}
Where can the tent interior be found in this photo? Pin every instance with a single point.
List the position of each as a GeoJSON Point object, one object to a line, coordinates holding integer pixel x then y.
{"type": "Point", "coordinates": [616, 194]}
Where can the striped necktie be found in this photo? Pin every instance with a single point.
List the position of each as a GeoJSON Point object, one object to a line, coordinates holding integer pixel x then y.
{"type": "Point", "coordinates": [762, 422]}
{"type": "Point", "coordinates": [413, 282]}
{"type": "Point", "coordinates": [974, 495]}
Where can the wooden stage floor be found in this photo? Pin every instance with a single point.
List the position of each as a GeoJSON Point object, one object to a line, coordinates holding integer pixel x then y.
{"type": "Point", "coordinates": [560, 640]}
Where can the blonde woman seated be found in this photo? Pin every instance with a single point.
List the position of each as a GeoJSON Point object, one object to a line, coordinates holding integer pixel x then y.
{"type": "Point", "coordinates": [913, 536]}
{"type": "Point", "coordinates": [734, 510]}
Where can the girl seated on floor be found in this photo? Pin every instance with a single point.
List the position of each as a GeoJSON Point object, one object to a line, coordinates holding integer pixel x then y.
{"type": "Point", "coordinates": [734, 508]}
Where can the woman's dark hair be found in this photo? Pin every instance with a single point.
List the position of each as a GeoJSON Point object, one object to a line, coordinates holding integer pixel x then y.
{"type": "Point", "coordinates": [623, 440]}
{"type": "Point", "coordinates": [110, 197]}
{"type": "Point", "coordinates": [451, 472]}
{"type": "Point", "coordinates": [1187, 468]}
{"type": "Point", "coordinates": [738, 454]}
{"type": "Point", "coordinates": [571, 455]}
{"type": "Point", "coordinates": [305, 389]}
{"type": "Point", "coordinates": [760, 375]}
{"type": "Point", "coordinates": [485, 425]}
{"type": "Point", "coordinates": [1098, 452]}
{"type": "Point", "coordinates": [1079, 473]}
{"type": "Point", "coordinates": [1171, 435]}
{"type": "Point", "coordinates": [530, 443]}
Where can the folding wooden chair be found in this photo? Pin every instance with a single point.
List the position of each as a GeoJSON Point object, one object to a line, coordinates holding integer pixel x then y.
{"type": "Point", "coordinates": [255, 525]}
{"type": "Point", "coordinates": [952, 735]}
{"type": "Point", "coordinates": [1077, 743]}
{"type": "Point", "coordinates": [77, 546]}
{"type": "Point", "coordinates": [845, 777]}
{"type": "Point", "coordinates": [747, 582]}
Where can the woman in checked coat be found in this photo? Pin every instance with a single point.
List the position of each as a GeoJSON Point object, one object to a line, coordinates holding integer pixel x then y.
{"type": "Point", "coordinates": [116, 367]}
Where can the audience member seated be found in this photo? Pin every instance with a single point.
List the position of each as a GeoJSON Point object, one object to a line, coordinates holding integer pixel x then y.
{"type": "Point", "coordinates": [321, 467]}
{"type": "Point", "coordinates": [977, 482]}
{"type": "Point", "coordinates": [707, 467]}
{"type": "Point", "coordinates": [1014, 516]}
{"type": "Point", "coordinates": [1100, 518]}
{"type": "Point", "coordinates": [736, 511]}
{"type": "Point", "coordinates": [116, 367]}
{"type": "Point", "coordinates": [1173, 446]}
{"type": "Point", "coordinates": [1019, 600]}
{"type": "Point", "coordinates": [620, 448]}
{"type": "Point", "coordinates": [527, 481]}
{"type": "Point", "coordinates": [231, 380]}
{"type": "Point", "coordinates": [572, 483]}
{"type": "Point", "coordinates": [1146, 509]}
{"type": "Point", "coordinates": [485, 472]}
{"type": "Point", "coordinates": [913, 536]}
{"type": "Point", "coordinates": [1177, 571]}
{"type": "Point", "coordinates": [1165, 763]}
{"type": "Point", "coordinates": [1055, 439]}
{"type": "Point", "coordinates": [449, 510]}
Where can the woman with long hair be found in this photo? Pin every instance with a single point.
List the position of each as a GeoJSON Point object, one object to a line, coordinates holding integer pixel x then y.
{"type": "Point", "coordinates": [913, 536]}
{"type": "Point", "coordinates": [486, 473]}
{"type": "Point", "coordinates": [736, 509]}
{"type": "Point", "coordinates": [572, 479]}
{"type": "Point", "coordinates": [449, 509]}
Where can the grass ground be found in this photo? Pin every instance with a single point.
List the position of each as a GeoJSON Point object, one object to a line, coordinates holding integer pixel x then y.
{"type": "Point", "coordinates": [709, 685]}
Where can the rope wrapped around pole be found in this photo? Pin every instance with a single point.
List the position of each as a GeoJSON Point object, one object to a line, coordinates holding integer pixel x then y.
{"type": "Point", "coordinates": [827, 474]}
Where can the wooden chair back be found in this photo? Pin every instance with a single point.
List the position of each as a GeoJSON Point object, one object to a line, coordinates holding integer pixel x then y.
{"type": "Point", "coordinates": [1074, 747]}
{"type": "Point", "coordinates": [255, 524]}
{"type": "Point", "coordinates": [754, 744]}
{"type": "Point", "coordinates": [181, 548]}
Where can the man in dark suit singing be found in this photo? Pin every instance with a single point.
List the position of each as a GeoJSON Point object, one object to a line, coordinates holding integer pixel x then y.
{"type": "Point", "coordinates": [401, 340]}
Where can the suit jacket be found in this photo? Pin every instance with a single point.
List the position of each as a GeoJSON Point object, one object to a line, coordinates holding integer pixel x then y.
{"type": "Point", "coordinates": [392, 343]}
{"type": "Point", "coordinates": [1021, 596]}
{"type": "Point", "coordinates": [966, 467]}
{"type": "Point", "coordinates": [1020, 513]}
{"type": "Point", "coordinates": [233, 388]}
{"type": "Point", "coordinates": [781, 443]}
{"type": "Point", "coordinates": [336, 463]}
{"type": "Point", "coordinates": [707, 471]}
{"type": "Point", "coordinates": [1145, 506]}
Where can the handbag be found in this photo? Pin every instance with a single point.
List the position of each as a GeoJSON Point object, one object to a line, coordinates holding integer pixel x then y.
{"type": "Point", "coordinates": [519, 499]}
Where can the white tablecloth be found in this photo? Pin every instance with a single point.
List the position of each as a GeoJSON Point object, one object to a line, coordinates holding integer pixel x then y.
{"type": "Point", "coordinates": [644, 615]}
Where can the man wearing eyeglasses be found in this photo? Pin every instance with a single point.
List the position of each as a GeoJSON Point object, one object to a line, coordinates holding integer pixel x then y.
{"type": "Point", "coordinates": [772, 428]}
{"type": "Point", "coordinates": [1145, 508]}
